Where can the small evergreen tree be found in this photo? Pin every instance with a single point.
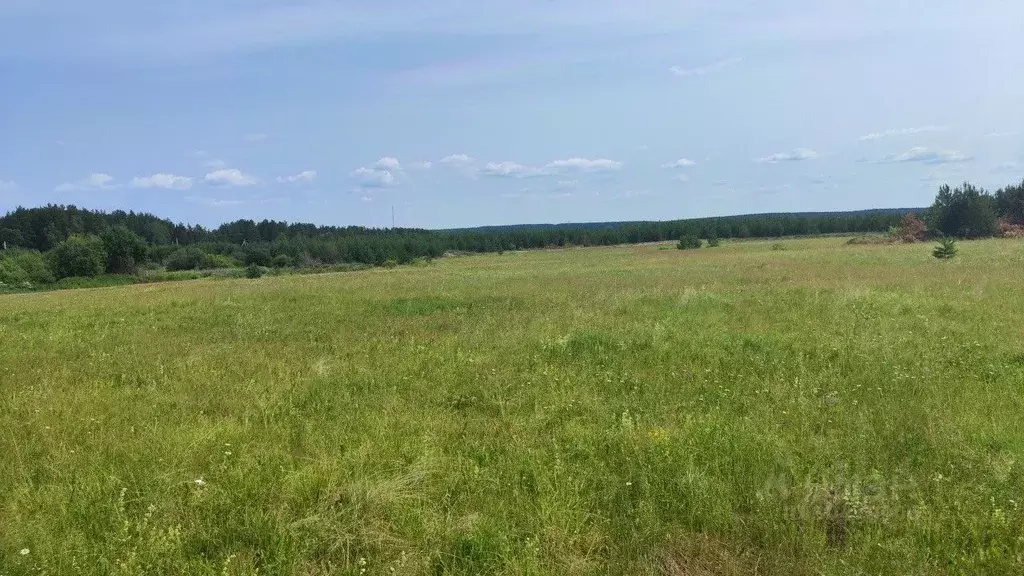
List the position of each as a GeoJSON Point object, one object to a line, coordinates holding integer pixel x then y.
{"type": "Point", "coordinates": [946, 249]}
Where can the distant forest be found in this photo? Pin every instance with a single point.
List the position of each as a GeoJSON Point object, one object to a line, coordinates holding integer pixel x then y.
{"type": "Point", "coordinates": [260, 243]}
{"type": "Point", "coordinates": [45, 245]}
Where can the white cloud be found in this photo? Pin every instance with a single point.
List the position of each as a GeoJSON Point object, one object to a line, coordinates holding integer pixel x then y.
{"type": "Point", "coordinates": [8, 185]}
{"type": "Point", "coordinates": [1009, 167]}
{"type": "Point", "coordinates": [389, 163]}
{"type": "Point", "coordinates": [366, 198]}
{"type": "Point", "coordinates": [508, 169]}
{"type": "Point", "coordinates": [681, 163]}
{"type": "Point", "coordinates": [231, 177]}
{"type": "Point", "coordinates": [304, 176]}
{"type": "Point", "coordinates": [926, 156]}
{"type": "Point", "coordinates": [902, 132]}
{"type": "Point", "coordinates": [258, 137]}
{"type": "Point", "coordinates": [702, 70]}
{"type": "Point", "coordinates": [567, 184]}
{"type": "Point", "coordinates": [213, 202]}
{"type": "Point", "coordinates": [168, 181]}
{"type": "Point", "coordinates": [215, 164]}
{"type": "Point", "coordinates": [681, 177]}
{"type": "Point", "coordinates": [458, 159]}
{"type": "Point", "coordinates": [373, 178]}
{"type": "Point", "coordinates": [796, 155]}
{"type": "Point", "coordinates": [421, 165]}
{"type": "Point", "coordinates": [93, 182]}
{"type": "Point", "coordinates": [1002, 134]}
{"type": "Point", "coordinates": [582, 165]}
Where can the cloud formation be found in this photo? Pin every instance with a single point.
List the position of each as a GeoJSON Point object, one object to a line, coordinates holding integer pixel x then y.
{"type": "Point", "coordinates": [582, 165]}
{"type": "Point", "coordinates": [797, 155]}
{"type": "Point", "coordinates": [681, 163]}
{"type": "Point", "coordinates": [98, 181]}
{"type": "Point", "coordinates": [304, 176]}
{"type": "Point", "coordinates": [702, 70]}
{"type": "Point", "coordinates": [426, 165]}
{"type": "Point", "coordinates": [161, 180]}
{"type": "Point", "coordinates": [374, 178]}
{"type": "Point", "coordinates": [927, 156]}
{"type": "Point", "coordinates": [213, 202]}
{"type": "Point", "coordinates": [389, 163]}
{"type": "Point", "coordinates": [458, 159]}
{"type": "Point", "coordinates": [902, 132]}
{"type": "Point", "coordinates": [230, 177]}
{"type": "Point", "coordinates": [508, 170]}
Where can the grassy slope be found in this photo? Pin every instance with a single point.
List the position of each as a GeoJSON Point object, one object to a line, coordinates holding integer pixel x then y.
{"type": "Point", "coordinates": [629, 410]}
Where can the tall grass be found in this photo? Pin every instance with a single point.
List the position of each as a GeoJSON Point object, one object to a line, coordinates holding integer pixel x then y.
{"type": "Point", "coordinates": [826, 409]}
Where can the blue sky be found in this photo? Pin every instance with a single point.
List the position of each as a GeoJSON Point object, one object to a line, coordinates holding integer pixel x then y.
{"type": "Point", "coordinates": [461, 113]}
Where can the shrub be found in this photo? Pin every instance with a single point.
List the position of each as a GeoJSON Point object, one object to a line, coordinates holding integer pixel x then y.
{"type": "Point", "coordinates": [125, 250]}
{"type": "Point", "coordinates": [10, 273]}
{"type": "Point", "coordinates": [946, 249]}
{"type": "Point", "coordinates": [258, 254]}
{"type": "Point", "coordinates": [714, 242]}
{"type": "Point", "coordinates": [214, 261]}
{"type": "Point", "coordinates": [390, 263]}
{"type": "Point", "coordinates": [253, 271]}
{"type": "Point", "coordinates": [281, 261]}
{"type": "Point", "coordinates": [911, 229]}
{"type": "Point", "coordinates": [34, 265]}
{"type": "Point", "coordinates": [187, 258]}
{"type": "Point", "coordinates": [81, 255]}
{"type": "Point", "coordinates": [778, 246]}
{"type": "Point", "coordinates": [689, 242]}
{"type": "Point", "coordinates": [964, 212]}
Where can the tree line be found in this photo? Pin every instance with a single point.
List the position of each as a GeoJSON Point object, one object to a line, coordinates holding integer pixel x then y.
{"type": "Point", "coordinates": [57, 241]}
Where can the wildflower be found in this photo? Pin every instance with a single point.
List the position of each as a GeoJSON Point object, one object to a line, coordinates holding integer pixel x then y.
{"type": "Point", "coordinates": [629, 483]}
{"type": "Point", "coordinates": [200, 482]}
{"type": "Point", "coordinates": [24, 552]}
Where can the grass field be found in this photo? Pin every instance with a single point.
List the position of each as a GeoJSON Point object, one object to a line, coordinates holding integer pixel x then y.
{"type": "Point", "coordinates": [823, 409]}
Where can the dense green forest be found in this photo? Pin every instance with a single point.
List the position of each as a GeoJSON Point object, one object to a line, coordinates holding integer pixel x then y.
{"type": "Point", "coordinates": [54, 242]}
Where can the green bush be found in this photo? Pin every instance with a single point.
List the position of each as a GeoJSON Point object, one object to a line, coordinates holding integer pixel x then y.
{"type": "Point", "coordinates": [10, 273]}
{"type": "Point", "coordinates": [689, 243]}
{"type": "Point", "coordinates": [187, 258]}
{"type": "Point", "coordinates": [80, 256]}
{"type": "Point", "coordinates": [714, 242]}
{"type": "Point", "coordinates": [126, 251]}
{"type": "Point", "coordinates": [215, 261]}
{"type": "Point", "coordinates": [390, 263]}
{"type": "Point", "coordinates": [34, 265]}
{"type": "Point", "coordinates": [281, 261]}
{"type": "Point", "coordinates": [253, 271]}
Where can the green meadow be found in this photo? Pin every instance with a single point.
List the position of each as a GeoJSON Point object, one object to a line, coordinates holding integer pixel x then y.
{"type": "Point", "coordinates": [640, 410]}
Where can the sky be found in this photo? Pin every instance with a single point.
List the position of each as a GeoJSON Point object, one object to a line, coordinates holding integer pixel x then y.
{"type": "Point", "coordinates": [463, 113]}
